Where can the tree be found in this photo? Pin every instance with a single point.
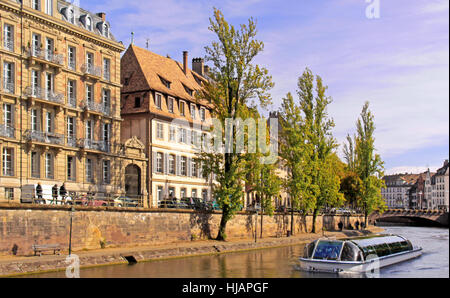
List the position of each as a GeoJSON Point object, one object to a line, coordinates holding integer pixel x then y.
{"type": "Point", "coordinates": [235, 83]}
{"type": "Point", "coordinates": [368, 165]}
{"type": "Point", "coordinates": [308, 146]}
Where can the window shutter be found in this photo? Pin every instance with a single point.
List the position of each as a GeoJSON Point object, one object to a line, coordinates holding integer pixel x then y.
{"type": "Point", "coordinates": [154, 162]}
{"type": "Point", "coordinates": [166, 164]}
{"type": "Point", "coordinates": [188, 167]}
{"type": "Point", "coordinates": [200, 170]}
{"type": "Point", "coordinates": [177, 172]}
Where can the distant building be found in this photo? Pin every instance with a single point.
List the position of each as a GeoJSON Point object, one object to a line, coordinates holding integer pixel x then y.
{"type": "Point", "coordinates": [397, 191]}
{"type": "Point", "coordinates": [440, 189]}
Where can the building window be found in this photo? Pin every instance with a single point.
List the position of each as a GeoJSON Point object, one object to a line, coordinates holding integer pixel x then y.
{"type": "Point", "coordinates": [106, 69]}
{"type": "Point", "coordinates": [8, 158]}
{"type": "Point", "coordinates": [89, 94]}
{"type": "Point", "coordinates": [34, 120]}
{"type": "Point", "coordinates": [158, 101]}
{"type": "Point", "coordinates": [8, 77]}
{"type": "Point", "coordinates": [106, 171]}
{"type": "Point", "coordinates": [89, 62]}
{"type": "Point", "coordinates": [71, 15]}
{"type": "Point", "coordinates": [205, 195]}
{"type": "Point", "coordinates": [194, 168]}
{"type": "Point", "coordinates": [8, 119]}
{"type": "Point", "coordinates": [89, 128]}
{"type": "Point", "coordinates": [36, 4]}
{"type": "Point", "coordinates": [194, 193]}
{"type": "Point", "coordinates": [172, 192]}
{"type": "Point", "coordinates": [137, 102]}
{"type": "Point", "coordinates": [9, 193]}
{"type": "Point", "coordinates": [88, 23]}
{"type": "Point", "coordinates": [8, 37]}
{"type": "Point", "coordinates": [183, 166]}
{"type": "Point", "coordinates": [182, 132]}
{"type": "Point", "coordinates": [105, 30]}
{"type": "Point", "coordinates": [71, 134]}
{"type": "Point", "coordinates": [182, 111]}
{"type": "Point", "coordinates": [170, 104]}
{"type": "Point", "coordinates": [72, 93]}
{"type": "Point", "coordinates": [183, 193]}
{"type": "Point", "coordinates": [193, 113]}
{"type": "Point", "coordinates": [160, 131]}
{"type": "Point", "coordinates": [172, 164]}
{"type": "Point", "coordinates": [48, 166]}
{"type": "Point", "coordinates": [159, 162]}
{"type": "Point", "coordinates": [35, 165]}
{"type": "Point", "coordinates": [203, 114]}
{"type": "Point", "coordinates": [172, 133]}
{"type": "Point", "coordinates": [106, 101]}
{"type": "Point", "coordinates": [71, 168]}
{"type": "Point", "coordinates": [72, 58]}
{"type": "Point", "coordinates": [160, 193]}
{"type": "Point", "coordinates": [49, 122]}
{"type": "Point", "coordinates": [194, 138]}
{"type": "Point", "coordinates": [89, 170]}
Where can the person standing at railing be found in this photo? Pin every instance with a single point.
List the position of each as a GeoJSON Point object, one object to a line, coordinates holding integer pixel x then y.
{"type": "Point", "coordinates": [39, 192]}
{"type": "Point", "coordinates": [55, 194]}
{"type": "Point", "coordinates": [63, 192]}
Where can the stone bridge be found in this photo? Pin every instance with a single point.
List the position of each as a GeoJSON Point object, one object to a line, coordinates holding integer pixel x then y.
{"type": "Point", "coordinates": [422, 217]}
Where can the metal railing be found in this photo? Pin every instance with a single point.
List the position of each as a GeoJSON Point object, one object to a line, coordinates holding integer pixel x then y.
{"type": "Point", "coordinates": [8, 86]}
{"type": "Point", "coordinates": [91, 69]}
{"type": "Point", "coordinates": [47, 55]}
{"type": "Point", "coordinates": [107, 75]}
{"type": "Point", "coordinates": [44, 137]}
{"type": "Point", "coordinates": [7, 131]}
{"type": "Point", "coordinates": [8, 44]}
{"type": "Point", "coordinates": [49, 95]}
{"type": "Point", "coordinates": [94, 145]}
{"type": "Point", "coordinates": [96, 107]}
{"type": "Point", "coordinates": [72, 65]}
{"type": "Point", "coordinates": [72, 101]}
{"type": "Point", "coordinates": [71, 141]}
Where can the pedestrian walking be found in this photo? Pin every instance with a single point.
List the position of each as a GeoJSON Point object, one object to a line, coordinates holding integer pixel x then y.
{"type": "Point", "coordinates": [55, 194]}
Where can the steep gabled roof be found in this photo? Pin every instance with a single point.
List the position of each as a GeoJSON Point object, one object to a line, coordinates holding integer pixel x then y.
{"type": "Point", "coordinates": [158, 71]}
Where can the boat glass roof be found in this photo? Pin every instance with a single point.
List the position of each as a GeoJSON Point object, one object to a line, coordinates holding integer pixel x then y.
{"type": "Point", "coordinates": [378, 240]}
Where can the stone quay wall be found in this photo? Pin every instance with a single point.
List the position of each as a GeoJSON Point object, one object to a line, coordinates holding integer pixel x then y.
{"type": "Point", "coordinates": [21, 226]}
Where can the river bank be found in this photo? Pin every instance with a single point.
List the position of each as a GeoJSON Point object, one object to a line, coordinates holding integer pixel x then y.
{"type": "Point", "coordinates": [13, 266]}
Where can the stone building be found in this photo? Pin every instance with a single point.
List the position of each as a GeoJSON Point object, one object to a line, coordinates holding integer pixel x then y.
{"type": "Point", "coordinates": [440, 189]}
{"type": "Point", "coordinates": [397, 191]}
{"type": "Point", "coordinates": [160, 108]}
{"type": "Point", "coordinates": [60, 101]}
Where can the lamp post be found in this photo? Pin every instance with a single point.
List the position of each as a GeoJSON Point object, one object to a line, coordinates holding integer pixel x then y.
{"type": "Point", "coordinates": [72, 210]}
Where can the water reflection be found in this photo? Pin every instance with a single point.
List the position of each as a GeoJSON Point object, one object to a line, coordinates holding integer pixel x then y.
{"type": "Point", "coordinates": [280, 262]}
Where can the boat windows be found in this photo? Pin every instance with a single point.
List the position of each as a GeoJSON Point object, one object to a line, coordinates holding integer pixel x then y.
{"type": "Point", "coordinates": [350, 252]}
{"type": "Point", "coordinates": [328, 250]}
{"type": "Point", "coordinates": [309, 249]}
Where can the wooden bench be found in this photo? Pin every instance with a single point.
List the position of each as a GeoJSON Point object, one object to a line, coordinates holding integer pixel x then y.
{"type": "Point", "coordinates": [39, 248]}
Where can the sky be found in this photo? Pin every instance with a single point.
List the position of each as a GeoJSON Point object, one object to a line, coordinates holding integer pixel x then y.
{"type": "Point", "coordinates": [392, 53]}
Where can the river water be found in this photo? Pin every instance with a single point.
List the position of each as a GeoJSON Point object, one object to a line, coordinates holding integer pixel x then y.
{"type": "Point", "coordinates": [281, 262]}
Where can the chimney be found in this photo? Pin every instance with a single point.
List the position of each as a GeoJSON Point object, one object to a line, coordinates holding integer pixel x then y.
{"type": "Point", "coordinates": [198, 66]}
{"type": "Point", "coordinates": [185, 61]}
{"type": "Point", "coordinates": [102, 15]}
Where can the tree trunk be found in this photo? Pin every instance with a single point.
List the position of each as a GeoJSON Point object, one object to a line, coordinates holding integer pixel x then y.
{"type": "Point", "coordinates": [221, 236]}
{"type": "Point", "coordinates": [262, 214]}
{"type": "Point", "coordinates": [292, 221]}
{"type": "Point", "coordinates": [314, 220]}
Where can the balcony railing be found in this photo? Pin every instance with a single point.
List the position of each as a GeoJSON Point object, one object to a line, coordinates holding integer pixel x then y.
{"type": "Point", "coordinates": [71, 141]}
{"type": "Point", "coordinates": [8, 45]}
{"type": "Point", "coordinates": [41, 93]}
{"type": "Point", "coordinates": [94, 145]}
{"type": "Point", "coordinates": [47, 55]}
{"type": "Point", "coordinates": [72, 101]}
{"type": "Point", "coordinates": [8, 86]}
{"type": "Point", "coordinates": [107, 75]}
{"type": "Point", "coordinates": [95, 107]}
{"type": "Point", "coordinates": [72, 65]}
{"type": "Point", "coordinates": [7, 131]}
{"type": "Point", "coordinates": [91, 70]}
{"type": "Point", "coordinates": [44, 137]}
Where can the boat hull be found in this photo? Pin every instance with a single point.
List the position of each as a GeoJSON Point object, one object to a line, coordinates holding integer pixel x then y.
{"type": "Point", "coordinates": [368, 266]}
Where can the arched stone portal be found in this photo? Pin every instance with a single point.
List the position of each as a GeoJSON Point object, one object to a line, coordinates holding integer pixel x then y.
{"type": "Point", "coordinates": [133, 181]}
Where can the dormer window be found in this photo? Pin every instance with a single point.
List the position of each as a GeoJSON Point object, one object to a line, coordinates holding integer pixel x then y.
{"type": "Point", "coordinates": [105, 30]}
{"type": "Point", "coordinates": [71, 15]}
{"type": "Point", "coordinates": [89, 23]}
{"type": "Point", "coordinates": [189, 91]}
{"type": "Point", "coordinates": [165, 82]}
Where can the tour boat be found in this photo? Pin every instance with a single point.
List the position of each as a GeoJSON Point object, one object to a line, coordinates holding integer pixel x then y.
{"type": "Point", "coordinates": [357, 255]}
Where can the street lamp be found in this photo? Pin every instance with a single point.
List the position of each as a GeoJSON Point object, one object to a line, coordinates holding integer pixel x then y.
{"type": "Point", "coordinates": [72, 210]}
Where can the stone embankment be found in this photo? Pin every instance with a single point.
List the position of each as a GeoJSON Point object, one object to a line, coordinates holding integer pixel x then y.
{"type": "Point", "coordinates": [13, 265]}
